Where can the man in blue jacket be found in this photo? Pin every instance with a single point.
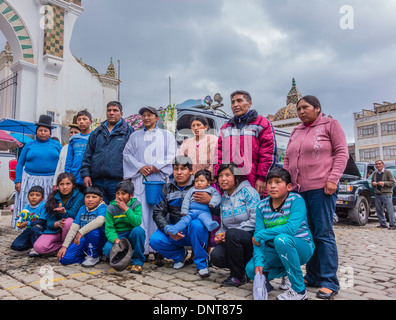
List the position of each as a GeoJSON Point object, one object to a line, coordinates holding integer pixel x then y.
{"type": "Point", "coordinates": [102, 162]}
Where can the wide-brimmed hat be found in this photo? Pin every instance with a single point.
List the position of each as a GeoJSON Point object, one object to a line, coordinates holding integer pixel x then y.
{"type": "Point", "coordinates": [151, 109]}
{"type": "Point", "coordinates": [120, 255]}
{"type": "Point", "coordinates": [45, 121]}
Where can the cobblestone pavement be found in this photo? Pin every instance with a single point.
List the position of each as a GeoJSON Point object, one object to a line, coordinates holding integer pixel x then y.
{"type": "Point", "coordinates": [367, 259]}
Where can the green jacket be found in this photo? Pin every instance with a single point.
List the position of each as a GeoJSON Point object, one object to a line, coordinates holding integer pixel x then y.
{"type": "Point", "coordinates": [119, 221]}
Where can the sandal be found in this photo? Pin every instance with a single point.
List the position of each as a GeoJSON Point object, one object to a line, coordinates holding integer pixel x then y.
{"type": "Point", "coordinates": [136, 269]}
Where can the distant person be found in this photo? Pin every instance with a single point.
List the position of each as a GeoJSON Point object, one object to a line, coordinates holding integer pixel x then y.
{"type": "Point", "coordinates": [247, 140]}
{"type": "Point", "coordinates": [316, 157]}
{"type": "Point", "coordinates": [36, 164]}
{"type": "Point", "coordinates": [383, 182]}
{"type": "Point", "coordinates": [102, 160]}
{"type": "Point", "coordinates": [77, 146]}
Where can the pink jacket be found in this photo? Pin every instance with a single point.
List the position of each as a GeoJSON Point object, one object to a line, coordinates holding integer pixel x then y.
{"type": "Point", "coordinates": [316, 154]}
{"type": "Point", "coordinates": [252, 148]}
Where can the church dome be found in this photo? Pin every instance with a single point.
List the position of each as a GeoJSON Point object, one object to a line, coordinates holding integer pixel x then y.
{"type": "Point", "coordinates": [288, 112]}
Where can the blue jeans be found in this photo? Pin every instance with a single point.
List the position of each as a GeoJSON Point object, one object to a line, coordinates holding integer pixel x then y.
{"type": "Point", "coordinates": [136, 237]}
{"type": "Point", "coordinates": [90, 244]}
{"type": "Point", "coordinates": [196, 236]}
{"type": "Point", "coordinates": [381, 201]}
{"type": "Point", "coordinates": [284, 256]}
{"type": "Point", "coordinates": [322, 268]}
{"type": "Point", "coordinates": [109, 188]}
{"type": "Point", "coordinates": [27, 238]}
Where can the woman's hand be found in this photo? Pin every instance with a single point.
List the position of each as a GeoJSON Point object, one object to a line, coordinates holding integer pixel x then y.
{"type": "Point", "coordinates": [260, 187]}
{"type": "Point", "coordinates": [219, 238]}
{"type": "Point", "coordinates": [255, 242]}
{"type": "Point", "coordinates": [258, 269]}
{"type": "Point", "coordinates": [61, 209]}
{"type": "Point", "coordinates": [330, 188]}
{"type": "Point", "coordinates": [61, 223]}
{"type": "Point", "coordinates": [18, 187]}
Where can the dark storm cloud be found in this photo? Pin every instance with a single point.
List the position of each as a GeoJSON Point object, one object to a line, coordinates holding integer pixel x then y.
{"type": "Point", "coordinates": [219, 46]}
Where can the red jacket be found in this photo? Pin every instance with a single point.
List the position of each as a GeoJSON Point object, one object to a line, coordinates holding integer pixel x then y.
{"type": "Point", "coordinates": [252, 148]}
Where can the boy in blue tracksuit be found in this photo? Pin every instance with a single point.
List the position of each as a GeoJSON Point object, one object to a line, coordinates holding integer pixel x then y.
{"type": "Point", "coordinates": [282, 239]}
{"type": "Point", "coordinates": [77, 146]}
{"type": "Point", "coordinates": [86, 237]}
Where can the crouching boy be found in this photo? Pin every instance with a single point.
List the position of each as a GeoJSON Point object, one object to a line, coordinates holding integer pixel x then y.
{"type": "Point", "coordinates": [123, 219]}
{"type": "Point", "coordinates": [282, 239]}
{"type": "Point", "coordinates": [86, 237]}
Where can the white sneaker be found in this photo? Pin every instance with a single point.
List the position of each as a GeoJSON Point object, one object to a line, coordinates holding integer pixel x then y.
{"type": "Point", "coordinates": [90, 262]}
{"type": "Point", "coordinates": [33, 253]}
{"type": "Point", "coordinates": [204, 273]}
{"type": "Point", "coordinates": [179, 265]}
{"type": "Point", "coordinates": [285, 285]}
{"type": "Point", "coordinates": [292, 295]}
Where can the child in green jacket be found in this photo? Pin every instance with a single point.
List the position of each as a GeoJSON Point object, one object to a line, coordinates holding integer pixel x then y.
{"type": "Point", "coordinates": [123, 219]}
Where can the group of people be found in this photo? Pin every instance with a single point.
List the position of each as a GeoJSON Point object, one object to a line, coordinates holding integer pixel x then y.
{"type": "Point", "coordinates": [225, 197]}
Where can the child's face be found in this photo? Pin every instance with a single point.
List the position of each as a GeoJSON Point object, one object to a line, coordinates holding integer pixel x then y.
{"type": "Point", "coordinates": [277, 188]}
{"type": "Point", "coordinates": [35, 198]}
{"type": "Point", "coordinates": [123, 196]}
{"type": "Point", "coordinates": [84, 123]}
{"type": "Point", "coordinates": [65, 186]}
{"type": "Point", "coordinates": [92, 201]}
{"type": "Point", "coordinates": [201, 182]}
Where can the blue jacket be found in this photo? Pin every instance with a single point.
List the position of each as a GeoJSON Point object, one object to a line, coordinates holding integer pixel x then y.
{"type": "Point", "coordinates": [103, 155]}
{"type": "Point", "coordinates": [72, 207]}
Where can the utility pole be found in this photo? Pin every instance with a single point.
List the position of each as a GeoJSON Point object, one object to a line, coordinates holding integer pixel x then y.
{"type": "Point", "coordinates": [170, 91]}
{"type": "Point", "coordinates": [119, 81]}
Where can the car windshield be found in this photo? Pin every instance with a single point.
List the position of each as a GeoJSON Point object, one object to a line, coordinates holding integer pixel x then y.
{"type": "Point", "coordinates": [361, 168]}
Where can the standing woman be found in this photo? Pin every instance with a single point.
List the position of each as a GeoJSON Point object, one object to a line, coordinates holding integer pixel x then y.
{"type": "Point", "coordinates": [234, 247]}
{"type": "Point", "coordinates": [36, 164]}
{"type": "Point", "coordinates": [200, 148]}
{"type": "Point", "coordinates": [316, 157]}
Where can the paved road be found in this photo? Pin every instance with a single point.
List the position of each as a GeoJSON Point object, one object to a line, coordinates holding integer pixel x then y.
{"type": "Point", "coordinates": [367, 271]}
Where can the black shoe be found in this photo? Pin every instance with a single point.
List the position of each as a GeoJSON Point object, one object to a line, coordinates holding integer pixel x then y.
{"type": "Point", "coordinates": [158, 259]}
{"type": "Point", "coordinates": [381, 226]}
{"type": "Point", "coordinates": [234, 282]}
{"type": "Point", "coordinates": [326, 296]}
{"type": "Point", "coordinates": [392, 228]}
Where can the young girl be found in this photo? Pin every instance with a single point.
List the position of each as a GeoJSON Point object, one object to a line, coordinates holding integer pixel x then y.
{"type": "Point", "coordinates": [86, 237]}
{"type": "Point", "coordinates": [192, 210]}
{"type": "Point", "coordinates": [61, 209]}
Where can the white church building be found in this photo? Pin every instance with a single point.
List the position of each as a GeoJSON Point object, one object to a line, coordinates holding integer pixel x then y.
{"type": "Point", "coordinates": [38, 72]}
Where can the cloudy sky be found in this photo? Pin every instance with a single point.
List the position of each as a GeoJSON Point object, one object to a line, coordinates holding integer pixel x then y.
{"type": "Point", "coordinates": [346, 58]}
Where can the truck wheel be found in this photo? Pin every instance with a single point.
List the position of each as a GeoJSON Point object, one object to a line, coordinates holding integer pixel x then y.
{"type": "Point", "coordinates": [360, 213]}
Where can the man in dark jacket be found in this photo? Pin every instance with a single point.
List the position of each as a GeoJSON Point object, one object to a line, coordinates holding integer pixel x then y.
{"type": "Point", "coordinates": [102, 163]}
{"type": "Point", "coordinates": [195, 235]}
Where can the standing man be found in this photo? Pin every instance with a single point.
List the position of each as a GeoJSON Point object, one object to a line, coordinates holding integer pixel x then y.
{"type": "Point", "coordinates": [148, 155]}
{"type": "Point", "coordinates": [383, 182]}
{"type": "Point", "coordinates": [102, 161]}
{"type": "Point", "coordinates": [248, 140]}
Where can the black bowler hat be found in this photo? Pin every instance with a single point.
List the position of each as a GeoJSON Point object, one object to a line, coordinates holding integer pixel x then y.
{"type": "Point", "coordinates": [45, 121]}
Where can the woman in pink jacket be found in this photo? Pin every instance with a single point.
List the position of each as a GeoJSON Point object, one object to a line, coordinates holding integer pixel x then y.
{"type": "Point", "coordinates": [316, 157]}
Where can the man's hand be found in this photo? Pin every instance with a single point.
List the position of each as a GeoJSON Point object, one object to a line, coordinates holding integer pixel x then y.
{"type": "Point", "coordinates": [219, 238]}
{"type": "Point", "coordinates": [61, 253]}
{"type": "Point", "coordinates": [176, 236]}
{"type": "Point", "coordinates": [87, 182]}
{"type": "Point", "coordinates": [260, 187]}
{"type": "Point", "coordinates": [202, 197]}
{"type": "Point", "coordinates": [154, 169]}
{"type": "Point", "coordinates": [145, 170]}
{"type": "Point", "coordinates": [78, 238]}
{"type": "Point", "coordinates": [122, 205]}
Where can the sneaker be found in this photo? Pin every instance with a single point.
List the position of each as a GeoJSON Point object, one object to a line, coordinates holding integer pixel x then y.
{"type": "Point", "coordinates": [234, 282]}
{"type": "Point", "coordinates": [90, 262]}
{"type": "Point", "coordinates": [392, 228]}
{"type": "Point", "coordinates": [33, 253]}
{"type": "Point", "coordinates": [292, 295]}
{"type": "Point", "coordinates": [204, 273]}
{"type": "Point", "coordinates": [285, 285]}
{"type": "Point", "coordinates": [179, 265]}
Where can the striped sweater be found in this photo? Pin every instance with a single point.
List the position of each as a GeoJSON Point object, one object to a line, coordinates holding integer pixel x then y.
{"type": "Point", "coordinates": [291, 219]}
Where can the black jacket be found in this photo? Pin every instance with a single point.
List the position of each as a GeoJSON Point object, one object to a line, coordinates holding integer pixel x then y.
{"type": "Point", "coordinates": [172, 199]}
{"type": "Point", "coordinates": [103, 155]}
